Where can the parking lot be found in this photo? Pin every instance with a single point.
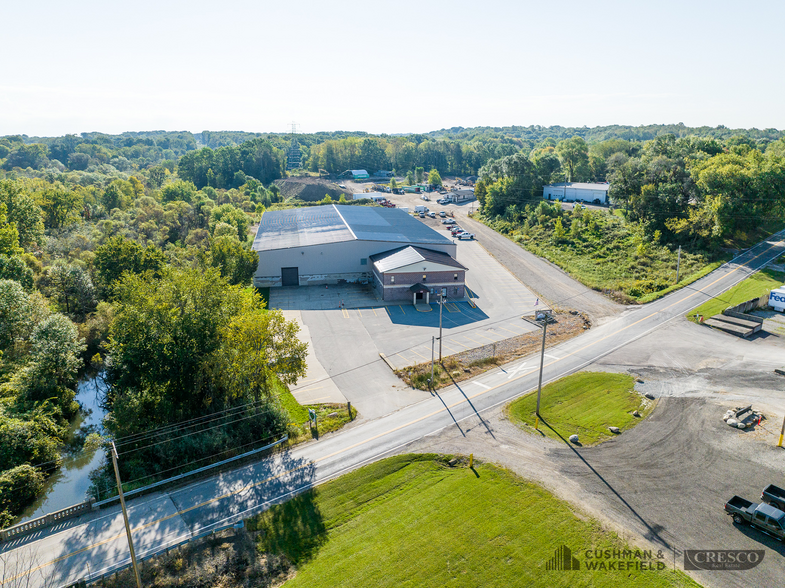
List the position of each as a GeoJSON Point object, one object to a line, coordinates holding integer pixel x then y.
{"type": "Point", "coordinates": [347, 342]}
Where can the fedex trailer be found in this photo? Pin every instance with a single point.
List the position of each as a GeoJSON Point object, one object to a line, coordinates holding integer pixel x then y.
{"type": "Point", "coordinates": [777, 299]}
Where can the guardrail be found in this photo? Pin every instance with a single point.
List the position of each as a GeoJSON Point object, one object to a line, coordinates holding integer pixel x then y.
{"type": "Point", "coordinates": [78, 509]}
{"type": "Point", "coordinates": [47, 520]}
{"type": "Point", "coordinates": [149, 487]}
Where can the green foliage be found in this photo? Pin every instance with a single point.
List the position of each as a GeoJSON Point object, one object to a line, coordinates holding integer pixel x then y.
{"type": "Point", "coordinates": [118, 194]}
{"type": "Point", "coordinates": [119, 255]}
{"type": "Point", "coordinates": [29, 438]}
{"type": "Point", "coordinates": [434, 179]}
{"type": "Point", "coordinates": [574, 156]}
{"type": "Point", "coordinates": [71, 286]}
{"type": "Point", "coordinates": [23, 211]}
{"type": "Point", "coordinates": [20, 312]}
{"type": "Point", "coordinates": [257, 158]}
{"type": "Point", "coordinates": [179, 190]}
{"type": "Point", "coordinates": [600, 249]}
{"type": "Point", "coordinates": [226, 213]}
{"type": "Point", "coordinates": [236, 262]}
{"type": "Point", "coordinates": [14, 268]}
{"type": "Point", "coordinates": [60, 206]}
{"type": "Point", "coordinates": [55, 358]}
{"type": "Point", "coordinates": [9, 235]}
{"type": "Point", "coordinates": [18, 487]}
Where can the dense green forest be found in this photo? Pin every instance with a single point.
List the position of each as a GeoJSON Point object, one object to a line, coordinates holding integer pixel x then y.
{"type": "Point", "coordinates": [108, 241]}
{"type": "Point", "coordinates": [102, 269]}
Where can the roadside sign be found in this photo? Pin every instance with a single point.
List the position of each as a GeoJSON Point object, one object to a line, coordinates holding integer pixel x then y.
{"type": "Point", "coordinates": [312, 414]}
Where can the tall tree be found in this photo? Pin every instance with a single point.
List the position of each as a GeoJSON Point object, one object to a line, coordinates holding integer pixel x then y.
{"type": "Point", "coordinates": [574, 156]}
{"type": "Point", "coordinates": [60, 205]}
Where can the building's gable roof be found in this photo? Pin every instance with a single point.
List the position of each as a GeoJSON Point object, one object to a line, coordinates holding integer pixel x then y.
{"type": "Point", "coordinates": [404, 256]}
{"type": "Point", "coordinates": [320, 225]}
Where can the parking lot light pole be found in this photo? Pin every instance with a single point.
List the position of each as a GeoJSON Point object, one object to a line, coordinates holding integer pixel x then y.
{"type": "Point", "coordinates": [441, 306]}
{"type": "Point", "coordinates": [432, 346]}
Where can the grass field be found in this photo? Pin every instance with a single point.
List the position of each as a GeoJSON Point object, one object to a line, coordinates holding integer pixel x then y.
{"type": "Point", "coordinates": [586, 404]}
{"type": "Point", "coordinates": [414, 521]}
{"type": "Point", "coordinates": [607, 253]}
{"type": "Point", "coordinates": [754, 286]}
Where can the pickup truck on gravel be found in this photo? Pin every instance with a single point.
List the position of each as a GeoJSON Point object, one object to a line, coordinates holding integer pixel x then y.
{"type": "Point", "coordinates": [774, 496]}
{"type": "Point", "coordinates": [763, 516]}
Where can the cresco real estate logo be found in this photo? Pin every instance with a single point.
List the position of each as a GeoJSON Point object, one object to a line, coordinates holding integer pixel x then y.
{"type": "Point", "coordinates": [722, 559]}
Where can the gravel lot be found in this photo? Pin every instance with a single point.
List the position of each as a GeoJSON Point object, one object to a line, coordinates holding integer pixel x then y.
{"type": "Point", "coordinates": [664, 483]}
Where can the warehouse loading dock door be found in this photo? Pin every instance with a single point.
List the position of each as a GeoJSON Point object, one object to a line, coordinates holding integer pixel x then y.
{"type": "Point", "coordinates": [290, 276]}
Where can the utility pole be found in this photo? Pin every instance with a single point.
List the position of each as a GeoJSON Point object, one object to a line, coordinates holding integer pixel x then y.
{"type": "Point", "coordinates": [542, 361]}
{"type": "Point", "coordinates": [678, 265]}
{"type": "Point", "coordinates": [125, 516]}
{"type": "Point", "coordinates": [441, 305]}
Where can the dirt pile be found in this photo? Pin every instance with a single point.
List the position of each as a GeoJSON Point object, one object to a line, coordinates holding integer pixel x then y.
{"type": "Point", "coordinates": [310, 189]}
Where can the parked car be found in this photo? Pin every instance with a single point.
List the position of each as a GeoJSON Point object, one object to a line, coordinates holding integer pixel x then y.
{"type": "Point", "coordinates": [763, 516]}
{"type": "Point", "coordinates": [432, 214]}
{"type": "Point", "coordinates": [457, 232]}
{"type": "Point", "coordinates": [442, 213]}
{"type": "Point", "coordinates": [448, 221]}
{"type": "Point", "coordinates": [422, 215]}
{"type": "Point", "coordinates": [342, 186]}
{"type": "Point", "coordinates": [466, 236]}
{"type": "Point", "coordinates": [425, 197]}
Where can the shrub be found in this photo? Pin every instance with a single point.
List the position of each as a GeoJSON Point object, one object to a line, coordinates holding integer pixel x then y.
{"type": "Point", "coordinates": [18, 487]}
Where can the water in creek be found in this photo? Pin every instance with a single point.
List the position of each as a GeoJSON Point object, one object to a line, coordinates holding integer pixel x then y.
{"type": "Point", "coordinates": [69, 484]}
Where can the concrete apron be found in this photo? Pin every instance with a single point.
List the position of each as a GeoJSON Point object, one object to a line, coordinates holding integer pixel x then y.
{"type": "Point", "coordinates": [324, 297]}
{"type": "Point", "coordinates": [317, 387]}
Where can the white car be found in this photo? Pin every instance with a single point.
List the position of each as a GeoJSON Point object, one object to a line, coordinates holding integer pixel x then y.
{"type": "Point", "coordinates": [467, 236]}
{"type": "Point", "coordinates": [432, 214]}
{"type": "Point", "coordinates": [424, 197]}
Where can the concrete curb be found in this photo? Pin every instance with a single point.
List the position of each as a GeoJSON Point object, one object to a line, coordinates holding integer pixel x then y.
{"type": "Point", "coordinates": [387, 361]}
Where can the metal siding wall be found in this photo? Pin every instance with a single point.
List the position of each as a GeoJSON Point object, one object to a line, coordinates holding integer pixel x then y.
{"type": "Point", "coordinates": [327, 263]}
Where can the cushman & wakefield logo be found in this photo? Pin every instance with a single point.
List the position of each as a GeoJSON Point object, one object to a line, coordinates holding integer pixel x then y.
{"type": "Point", "coordinates": [722, 559]}
{"type": "Point", "coordinates": [608, 560]}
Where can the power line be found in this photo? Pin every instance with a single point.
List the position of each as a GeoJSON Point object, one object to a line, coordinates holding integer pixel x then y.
{"type": "Point", "coordinates": [183, 436]}
{"type": "Point", "coordinates": [211, 456]}
{"type": "Point", "coordinates": [197, 421]}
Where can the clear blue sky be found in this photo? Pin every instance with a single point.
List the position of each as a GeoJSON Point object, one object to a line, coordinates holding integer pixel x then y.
{"type": "Point", "coordinates": [380, 66]}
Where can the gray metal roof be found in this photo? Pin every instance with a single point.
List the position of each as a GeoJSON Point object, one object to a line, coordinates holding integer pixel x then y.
{"type": "Point", "coordinates": [319, 225]}
{"type": "Point", "coordinates": [403, 256]}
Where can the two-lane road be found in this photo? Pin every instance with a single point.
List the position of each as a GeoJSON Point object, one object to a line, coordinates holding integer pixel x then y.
{"type": "Point", "coordinates": [60, 555]}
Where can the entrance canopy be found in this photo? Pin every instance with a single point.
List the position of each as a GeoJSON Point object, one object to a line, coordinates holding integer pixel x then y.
{"type": "Point", "coordinates": [419, 288]}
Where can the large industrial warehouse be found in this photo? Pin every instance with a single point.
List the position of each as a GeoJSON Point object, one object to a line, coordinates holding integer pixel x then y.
{"type": "Point", "coordinates": [344, 244]}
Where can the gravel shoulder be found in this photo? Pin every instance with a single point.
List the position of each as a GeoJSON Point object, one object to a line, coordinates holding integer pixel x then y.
{"type": "Point", "coordinates": [550, 282]}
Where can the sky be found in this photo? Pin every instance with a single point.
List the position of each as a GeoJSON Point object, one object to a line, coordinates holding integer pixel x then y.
{"type": "Point", "coordinates": [387, 67]}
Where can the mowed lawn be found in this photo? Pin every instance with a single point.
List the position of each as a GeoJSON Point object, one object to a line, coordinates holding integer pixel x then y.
{"type": "Point", "coordinates": [586, 404]}
{"type": "Point", "coordinates": [753, 287]}
{"type": "Point", "coordinates": [414, 521]}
